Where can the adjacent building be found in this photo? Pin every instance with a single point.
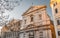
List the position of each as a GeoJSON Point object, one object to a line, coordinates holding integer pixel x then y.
{"type": "Point", "coordinates": [11, 30]}
{"type": "Point", "coordinates": [13, 25]}
{"type": "Point", "coordinates": [37, 23]}
{"type": "Point", "coordinates": [55, 6]}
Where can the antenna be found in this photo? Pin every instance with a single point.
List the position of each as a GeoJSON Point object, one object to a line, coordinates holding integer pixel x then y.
{"type": "Point", "coordinates": [32, 4]}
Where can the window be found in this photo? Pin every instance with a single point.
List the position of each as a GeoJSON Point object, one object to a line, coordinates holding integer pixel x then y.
{"type": "Point", "coordinates": [41, 34]}
{"type": "Point", "coordinates": [31, 18]}
{"type": "Point", "coordinates": [11, 29]}
{"type": "Point", "coordinates": [59, 33]}
{"type": "Point", "coordinates": [25, 21]}
{"type": "Point", "coordinates": [31, 35]}
{"type": "Point", "coordinates": [55, 4]}
{"type": "Point", "coordinates": [40, 17]}
{"type": "Point", "coordinates": [58, 22]}
{"type": "Point", "coordinates": [56, 11]}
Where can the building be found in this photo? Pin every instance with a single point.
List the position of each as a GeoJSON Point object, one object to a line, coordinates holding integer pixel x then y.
{"type": "Point", "coordinates": [11, 30]}
{"type": "Point", "coordinates": [5, 29]}
{"type": "Point", "coordinates": [37, 23]}
{"type": "Point", "coordinates": [13, 25]}
{"type": "Point", "coordinates": [55, 6]}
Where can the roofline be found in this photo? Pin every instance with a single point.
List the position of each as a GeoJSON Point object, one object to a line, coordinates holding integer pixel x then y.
{"type": "Point", "coordinates": [33, 10]}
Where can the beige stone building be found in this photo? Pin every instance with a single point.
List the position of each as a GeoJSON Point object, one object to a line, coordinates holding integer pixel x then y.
{"type": "Point", "coordinates": [55, 6]}
{"type": "Point", "coordinates": [13, 25]}
{"type": "Point", "coordinates": [37, 23]}
{"type": "Point", "coordinates": [11, 30]}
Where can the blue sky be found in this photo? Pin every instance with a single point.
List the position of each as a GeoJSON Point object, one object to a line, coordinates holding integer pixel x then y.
{"type": "Point", "coordinates": [24, 5]}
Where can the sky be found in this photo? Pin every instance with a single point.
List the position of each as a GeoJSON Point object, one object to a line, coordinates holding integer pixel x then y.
{"type": "Point", "coordinates": [25, 5]}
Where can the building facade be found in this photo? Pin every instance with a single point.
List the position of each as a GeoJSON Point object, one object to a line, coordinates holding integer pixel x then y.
{"type": "Point", "coordinates": [55, 6]}
{"type": "Point", "coordinates": [37, 23]}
